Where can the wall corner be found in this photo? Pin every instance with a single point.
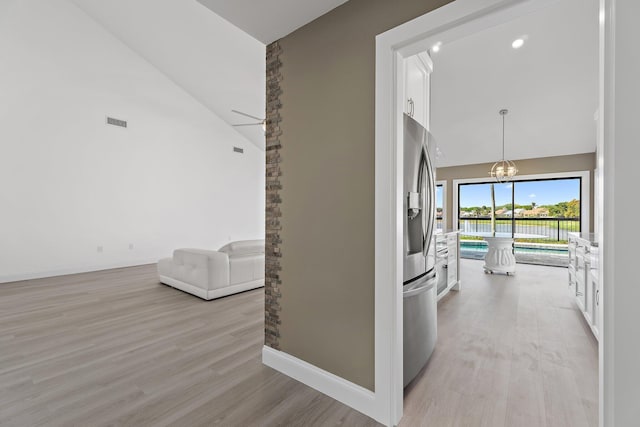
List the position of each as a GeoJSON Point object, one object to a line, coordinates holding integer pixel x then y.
{"type": "Point", "coordinates": [273, 200]}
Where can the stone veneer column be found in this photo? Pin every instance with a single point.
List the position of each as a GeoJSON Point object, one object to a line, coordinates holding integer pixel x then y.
{"type": "Point", "coordinates": [273, 186]}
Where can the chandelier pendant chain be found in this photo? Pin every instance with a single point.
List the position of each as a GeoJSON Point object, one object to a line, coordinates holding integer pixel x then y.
{"type": "Point", "coordinates": [503, 132]}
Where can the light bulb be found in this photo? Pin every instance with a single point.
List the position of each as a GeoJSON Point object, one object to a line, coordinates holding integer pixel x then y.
{"type": "Point", "coordinates": [517, 43]}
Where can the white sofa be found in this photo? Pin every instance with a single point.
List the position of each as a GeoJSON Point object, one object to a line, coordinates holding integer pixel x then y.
{"type": "Point", "coordinates": [235, 267]}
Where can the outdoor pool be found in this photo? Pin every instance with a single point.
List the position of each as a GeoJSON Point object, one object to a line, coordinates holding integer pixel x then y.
{"type": "Point", "coordinates": [479, 246]}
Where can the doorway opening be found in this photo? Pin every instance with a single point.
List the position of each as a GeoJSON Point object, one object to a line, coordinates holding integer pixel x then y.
{"type": "Point", "coordinates": [453, 23]}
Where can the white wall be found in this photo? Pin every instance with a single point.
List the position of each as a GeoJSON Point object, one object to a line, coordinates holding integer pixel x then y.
{"type": "Point", "coordinates": [620, 348]}
{"type": "Point", "coordinates": [69, 183]}
{"type": "Point", "coordinates": [195, 48]}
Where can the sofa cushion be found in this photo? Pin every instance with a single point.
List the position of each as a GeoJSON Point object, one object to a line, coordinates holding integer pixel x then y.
{"type": "Point", "coordinates": [190, 266]}
{"type": "Point", "coordinates": [165, 267]}
{"type": "Point", "coordinates": [246, 268]}
{"type": "Point", "coordinates": [243, 248]}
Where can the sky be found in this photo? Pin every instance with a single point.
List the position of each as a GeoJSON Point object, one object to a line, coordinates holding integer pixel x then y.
{"type": "Point", "coordinates": [547, 192]}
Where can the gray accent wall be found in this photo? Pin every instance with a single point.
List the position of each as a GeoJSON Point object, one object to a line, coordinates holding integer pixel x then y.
{"type": "Point", "coordinates": [326, 296]}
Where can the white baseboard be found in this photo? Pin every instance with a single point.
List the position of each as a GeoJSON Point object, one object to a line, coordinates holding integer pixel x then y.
{"type": "Point", "coordinates": [353, 395]}
{"type": "Point", "coordinates": [74, 270]}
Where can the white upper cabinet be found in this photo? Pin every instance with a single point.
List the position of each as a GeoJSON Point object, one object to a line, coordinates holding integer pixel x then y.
{"type": "Point", "coordinates": [418, 70]}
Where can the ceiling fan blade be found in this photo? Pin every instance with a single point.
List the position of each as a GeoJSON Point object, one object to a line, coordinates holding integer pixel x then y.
{"type": "Point", "coordinates": [248, 124]}
{"type": "Point", "coordinates": [247, 115]}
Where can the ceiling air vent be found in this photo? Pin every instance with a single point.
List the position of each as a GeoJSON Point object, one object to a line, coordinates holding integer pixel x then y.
{"type": "Point", "coordinates": [238, 150]}
{"type": "Point", "coordinates": [116, 122]}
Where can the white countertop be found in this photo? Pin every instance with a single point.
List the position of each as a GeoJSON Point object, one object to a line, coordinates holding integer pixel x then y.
{"type": "Point", "coordinates": [588, 237]}
{"type": "Point", "coordinates": [448, 231]}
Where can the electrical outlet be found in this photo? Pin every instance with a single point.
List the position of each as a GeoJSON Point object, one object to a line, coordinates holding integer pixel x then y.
{"type": "Point", "coordinates": [100, 249]}
{"type": "Point", "coordinates": [130, 246]}
{"type": "Point", "coordinates": [229, 238]}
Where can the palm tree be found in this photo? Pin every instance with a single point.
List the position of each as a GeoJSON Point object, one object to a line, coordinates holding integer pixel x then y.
{"type": "Point", "coordinates": [493, 209]}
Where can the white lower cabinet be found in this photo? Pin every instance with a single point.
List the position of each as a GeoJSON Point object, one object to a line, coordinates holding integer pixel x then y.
{"type": "Point", "coordinates": [583, 277]}
{"type": "Point", "coordinates": [596, 301]}
{"type": "Point", "coordinates": [448, 262]}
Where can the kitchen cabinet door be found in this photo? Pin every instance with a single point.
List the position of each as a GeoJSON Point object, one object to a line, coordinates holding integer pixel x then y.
{"type": "Point", "coordinates": [452, 246]}
{"type": "Point", "coordinates": [595, 317]}
{"type": "Point", "coordinates": [582, 275]}
{"type": "Point", "coordinates": [418, 70]}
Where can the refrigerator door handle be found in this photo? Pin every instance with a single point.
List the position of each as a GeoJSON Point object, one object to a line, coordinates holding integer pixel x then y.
{"type": "Point", "coordinates": [429, 176]}
{"type": "Point", "coordinates": [425, 284]}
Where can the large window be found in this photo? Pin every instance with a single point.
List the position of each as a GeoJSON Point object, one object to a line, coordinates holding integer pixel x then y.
{"type": "Point", "coordinates": [474, 207]}
{"type": "Point", "coordinates": [538, 213]}
{"type": "Point", "coordinates": [439, 206]}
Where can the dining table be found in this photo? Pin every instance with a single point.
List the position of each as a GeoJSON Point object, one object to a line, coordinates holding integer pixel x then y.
{"type": "Point", "coordinates": [499, 257]}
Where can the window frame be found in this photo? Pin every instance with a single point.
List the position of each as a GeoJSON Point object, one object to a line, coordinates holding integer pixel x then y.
{"type": "Point", "coordinates": [443, 183]}
{"type": "Point", "coordinates": [585, 191]}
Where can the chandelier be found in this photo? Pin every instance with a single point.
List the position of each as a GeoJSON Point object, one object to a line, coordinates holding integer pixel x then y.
{"type": "Point", "coordinates": [503, 170]}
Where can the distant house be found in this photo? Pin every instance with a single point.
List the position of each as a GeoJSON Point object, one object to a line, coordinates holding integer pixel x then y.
{"type": "Point", "coordinates": [543, 212]}
{"type": "Point", "coordinates": [536, 212]}
{"type": "Point", "coordinates": [510, 212]}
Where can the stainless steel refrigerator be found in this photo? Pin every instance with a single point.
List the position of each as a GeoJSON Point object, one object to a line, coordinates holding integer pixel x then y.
{"type": "Point", "coordinates": [419, 274]}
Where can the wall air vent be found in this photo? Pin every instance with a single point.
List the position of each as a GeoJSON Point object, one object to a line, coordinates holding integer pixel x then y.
{"type": "Point", "coordinates": [238, 150]}
{"type": "Point", "coordinates": [116, 122]}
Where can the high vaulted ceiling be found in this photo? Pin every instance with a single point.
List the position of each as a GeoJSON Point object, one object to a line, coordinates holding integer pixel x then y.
{"type": "Point", "coordinates": [270, 20]}
{"type": "Point", "coordinates": [549, 85]}
{"type": "Point", "coordinates": [218, 64]}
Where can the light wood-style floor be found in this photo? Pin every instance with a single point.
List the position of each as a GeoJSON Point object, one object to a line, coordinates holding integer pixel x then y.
{"type": "Point", "coordinates": [118, 348]}
{"type": "Point", "coordinates": [511, 352]}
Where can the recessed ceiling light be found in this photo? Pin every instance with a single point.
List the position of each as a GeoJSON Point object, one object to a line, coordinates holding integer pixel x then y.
{"type": "Point", "coordinates": [436, 47]}
{"type": "Point", "coordinates": [517, 43]}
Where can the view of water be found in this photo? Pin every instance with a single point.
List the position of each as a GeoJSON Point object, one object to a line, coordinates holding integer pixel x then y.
{"type": "Point", "coordinates": [549, 228]}
{"type": "Point", "coordinates": [480, 246]}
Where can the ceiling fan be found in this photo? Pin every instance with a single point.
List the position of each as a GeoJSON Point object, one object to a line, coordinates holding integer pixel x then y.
{"type": "Point", "coordinates": [261, 122]}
